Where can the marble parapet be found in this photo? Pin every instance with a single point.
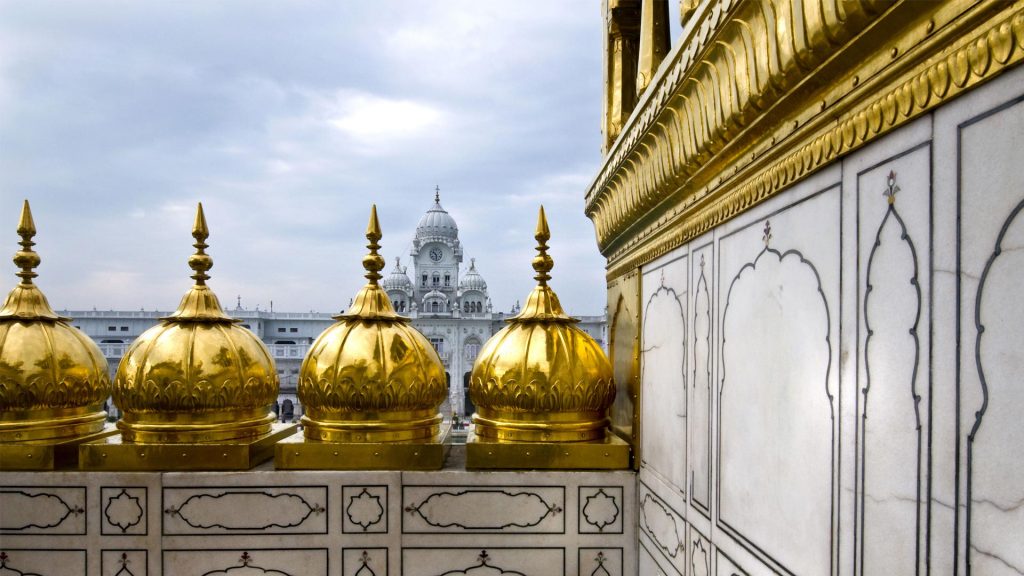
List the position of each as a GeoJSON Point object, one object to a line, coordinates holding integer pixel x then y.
{"type": "Point", "coordinates": [318, 522]}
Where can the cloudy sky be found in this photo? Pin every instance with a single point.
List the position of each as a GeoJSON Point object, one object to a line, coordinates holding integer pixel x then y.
{"type": "Point", "coordinates": [287, 120]}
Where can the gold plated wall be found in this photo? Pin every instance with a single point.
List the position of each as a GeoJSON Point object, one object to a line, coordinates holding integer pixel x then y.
{"type": "Point", "coordinates": [624, 354]}
{"type": "Point", "coordinates": [760, 94]}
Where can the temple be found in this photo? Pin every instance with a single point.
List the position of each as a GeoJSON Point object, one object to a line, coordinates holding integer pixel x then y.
{"type": "Point", "coordinates": [811, 214]}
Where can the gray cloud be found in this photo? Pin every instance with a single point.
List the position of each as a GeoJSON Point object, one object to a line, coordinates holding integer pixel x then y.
{"type": "Point", "coordinates": [287, 119]}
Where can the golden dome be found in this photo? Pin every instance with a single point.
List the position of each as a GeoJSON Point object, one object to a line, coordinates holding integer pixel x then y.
{"type": "Point", "coordinates": [371, 377]}
{"type": "Point", "coordinates": [541, 378]}
{"type": "Point", "coordinates": [196, 376]}
{"type": "Point", "coordinates": [53, 378]}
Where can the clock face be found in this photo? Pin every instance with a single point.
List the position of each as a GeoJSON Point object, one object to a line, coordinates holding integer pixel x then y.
{"type": "Point", "coordinates": [436, 254]}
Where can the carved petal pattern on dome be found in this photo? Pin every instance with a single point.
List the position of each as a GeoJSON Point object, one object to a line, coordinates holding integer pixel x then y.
{"type": "Point", "coordinates": [543, 397]}
{"type": "Point", "coordinates": [68, 372]}
{"type": "Point", "coordinates": [193, 396]}
{"type": "Point", "coordinates": [347, 396]}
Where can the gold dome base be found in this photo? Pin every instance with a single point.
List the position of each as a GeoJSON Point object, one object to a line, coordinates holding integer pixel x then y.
{"type": "Point", "coordinates": [176, 428]}
{"type": "Point", "coordinates": [42, 455]}
{"type": "Point", "coordinates": [540, 427]}
{"type": "Point", "coordinates": [298, 453]}
{"type": "Point", "coordinates": [114, 454]}
{"type": "Point", "coordinates": [51, 425]}
{"type": "Point", "coordinates": [608, 453]}
{"type": "Point", "coordinates": [372, 427]}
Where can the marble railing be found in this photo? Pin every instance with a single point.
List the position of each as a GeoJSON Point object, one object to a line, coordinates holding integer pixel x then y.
{"type": "Point", "coordinates": [318, 523]}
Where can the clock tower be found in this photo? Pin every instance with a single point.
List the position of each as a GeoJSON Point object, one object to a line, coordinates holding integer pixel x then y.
{"type": "Point", "coordinates": [436, 254]}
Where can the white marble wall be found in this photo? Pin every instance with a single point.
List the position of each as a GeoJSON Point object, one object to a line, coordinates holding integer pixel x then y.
{"type": "Point", "coordinates": [832, 381]}
{"type": "Point", "coordinates": [318, 523]}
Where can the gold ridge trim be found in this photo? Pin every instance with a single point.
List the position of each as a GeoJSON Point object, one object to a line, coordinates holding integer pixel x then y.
{"type": "Point", "coordinates": [741, 58]}
{"type": "Point", "coordinates": [667, 191]}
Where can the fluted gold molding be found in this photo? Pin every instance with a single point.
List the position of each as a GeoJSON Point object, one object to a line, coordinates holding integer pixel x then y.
{"type": "Point", "coordinates": [714, 147]}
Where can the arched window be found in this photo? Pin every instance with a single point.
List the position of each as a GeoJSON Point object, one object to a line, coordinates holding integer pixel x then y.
{"type": "Point", "coordinates": [435, 306]}
{"type": "Point", "coordinates": [424, 282]}
{"type": "Point", "coordinates": [447, 280]}
{"type": "Point", "coordinates": [436, 280]}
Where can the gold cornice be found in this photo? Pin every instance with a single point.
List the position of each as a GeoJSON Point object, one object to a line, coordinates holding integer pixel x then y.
{"type": "Point", "coordinates": [899, 66]}
{"type": "Point", "coordinates": [762, 47]}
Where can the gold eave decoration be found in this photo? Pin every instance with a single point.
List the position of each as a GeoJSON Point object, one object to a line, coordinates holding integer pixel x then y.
{"type": "Point", "coordinates": [195, 390]}
{"type": "Point", "coordinates": [371, 386]}
{"type": "Point", "coordinates": [542, 388]}
{"type": "Point", "coordinates": [53, 378]}
{"type": "Point", "coordinates": [759, 95]}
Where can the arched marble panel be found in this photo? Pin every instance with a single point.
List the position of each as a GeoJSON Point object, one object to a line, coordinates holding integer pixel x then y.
{"type": "Point", "coordinates": [700, 388]}
{"type": "Point", "coordinates": [776, 411]}
{"type": "Point", "coordinates": [995, 448]}
{"type": "Point", "coordinates": [663, 373]}
{"type": "Point", "coordinates": [891, 492]}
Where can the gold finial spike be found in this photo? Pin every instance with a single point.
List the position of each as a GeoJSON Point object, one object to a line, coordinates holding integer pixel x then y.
{"type": "Point", "coordinates": [200, 262]}
{"type": "Point", "coordinates": [373, 262]}
{"type": "Point", "coordinates": [26, 258]}
{"type": "Point", "coordinates": [542, 263]}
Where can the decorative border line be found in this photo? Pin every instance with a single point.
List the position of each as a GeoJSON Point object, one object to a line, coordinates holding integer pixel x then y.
{"type": "Point", "coordinates": [412, 507]}
{"type": "Point", "coordinates": [550, 509]}
{"type": "Point", "coordinates": [702, 507]}
{"type": "Point", "coordinates": [861, 422]}
{"type": "Point", "coordinates": [40, 491]}
{"type": "Point", "coordinates": [210, 492]}
{"type": "Point", "coordinates": [347, 508]}
{"type": "Point", "coordinates": [143, 507]}
{"type": "Point", "coordinates": [617, 503]}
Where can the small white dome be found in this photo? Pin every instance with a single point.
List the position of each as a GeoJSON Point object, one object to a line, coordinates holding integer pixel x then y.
{"type": "Point", "coordinates": [437, 224]}
{"type": "Point", "coordinates": [472, 280]}
{"type": "Point", "coordinates": [397, 279]}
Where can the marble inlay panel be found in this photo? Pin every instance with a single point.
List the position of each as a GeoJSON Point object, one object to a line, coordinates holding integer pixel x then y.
{"type": "Point", "coordinates": [600, 562]}
{"type": "Point", "coordinates": [663, 375]}
{"type": "Point", "coordinates": [701, 382]}
{"type": "Point", "coordinates": [778, 381]}
{"type": "Point", "coordinates": [123, 510]}
{"type": "Point", "coordinates": [504, 509]}
{"type": "Point", "coordinates": [124, 563]}
{"type": "Point", "coordinates": [364, 562]}
{"type": "Point", "coordinates": [252, 510]}
{"type": "Point", "coordinates": [42, 510]}
{"type": "Point", "coordinates": [246, 562]}
{"type": "Point", "coordinates": [483, 562]}
{"type": "Point", "coordinates": [21, 562]}
{"type": "Point", "coordinates": [992, 329]}
{"type": "Point", "coordinates": [600, 509]}
{"type": "Point", "coordinates": [700, 554]}
{"type": "Point", "coordinates": [665, 527]}
{"type": "Point", "coordinates": [364, 509]}
{"type": "Point", "coordinates": [893, 210]}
